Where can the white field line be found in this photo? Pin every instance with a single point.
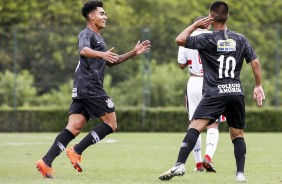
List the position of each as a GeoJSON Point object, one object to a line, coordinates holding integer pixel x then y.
{"type": "Point", "coordinates": [44, 143]}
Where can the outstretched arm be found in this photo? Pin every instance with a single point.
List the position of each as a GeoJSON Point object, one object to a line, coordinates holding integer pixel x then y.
{"type": "Point", "coordinates": [138, 49]}
{"type": "Point", "coordinates": [108, 55]}
{"type": "Point", "coordinates": [258, 93]}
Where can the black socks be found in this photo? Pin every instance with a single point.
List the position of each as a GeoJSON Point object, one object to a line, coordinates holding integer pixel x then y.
{"type": "Point", "coordinates": [98, 133]}
{"type": "Point", "coordinates": [59, 145]}
{"type": "Point", "coordinates": [188, 145]}
{"type": "Point", "coordinates": [240, 153]}
{"type": "Point", "coordinates": [62, 140]}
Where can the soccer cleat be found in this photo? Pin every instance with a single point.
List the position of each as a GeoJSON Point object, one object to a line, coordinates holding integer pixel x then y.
{"type": "Point", "coordinates": [207, 163]}
{"type": "Point", "coordinates": [199, 167]}
{"type": "Point", "coordinates": [240, 177]}
{"type": "Point", "coordinates": [44, 169]}
{"type": "Point", "coordinates": [74, 158]}
{"type": "Point", "coordinates": [174, 171]}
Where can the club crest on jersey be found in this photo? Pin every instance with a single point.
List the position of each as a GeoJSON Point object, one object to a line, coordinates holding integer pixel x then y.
{"type": "Point", "coordinates": [110, 103]}
{"type": "Point", "coordinates": [226, 45]}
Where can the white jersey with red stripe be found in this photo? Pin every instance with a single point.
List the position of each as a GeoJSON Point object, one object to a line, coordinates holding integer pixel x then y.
{"type": "Point", "coordinates": [191, 56]}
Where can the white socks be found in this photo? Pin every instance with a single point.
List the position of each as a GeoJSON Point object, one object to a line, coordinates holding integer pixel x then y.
{"type": "Point", "coordinates": [211, 144]}
{"type": "Point", "coordinates": [211, 141]}
{"type": "Point", "coordinates": [197, 150]}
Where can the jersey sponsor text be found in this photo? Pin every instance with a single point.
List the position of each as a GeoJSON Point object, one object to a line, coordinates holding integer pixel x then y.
{"type": "Point", "coordinates": [229, 88]}
{"type": "Point", "coordinates": [226, 45]}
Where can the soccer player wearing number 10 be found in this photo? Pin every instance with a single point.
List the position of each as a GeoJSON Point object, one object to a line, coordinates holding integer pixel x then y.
{"type": "Point", "coordinates": [222, 53]}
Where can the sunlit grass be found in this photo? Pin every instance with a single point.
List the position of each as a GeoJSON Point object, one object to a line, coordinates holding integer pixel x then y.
{"type": "Point", "coordinates": [127, 158]}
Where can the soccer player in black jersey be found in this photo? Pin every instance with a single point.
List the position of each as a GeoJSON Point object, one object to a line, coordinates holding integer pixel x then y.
{"type": "Point", "coordinates": [222, 53]}
{"type": "Point", "coordinates": [89, 98]}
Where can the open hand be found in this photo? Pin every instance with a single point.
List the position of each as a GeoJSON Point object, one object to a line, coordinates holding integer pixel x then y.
{"type": "Point", "coordinates": [142, 47]}
{"type": "Point", "coordinates": [258, 95]}
{"type": "Point", "coordinates": [204, 23]}
{"type": "Point", "coordinates": [110, 56]}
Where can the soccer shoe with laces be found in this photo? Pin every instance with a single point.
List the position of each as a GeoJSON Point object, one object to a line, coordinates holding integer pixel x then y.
{"type": "Point", "coordinates": [174, 171]}
{"type": "Point", "coordinates": [74, 158]}
{"type": "Point", "coordinates": [45, 170]}
{"type": "Point", "coordinates": [208, 165]}
{"type": "Point", "coordinates": [240, 177]}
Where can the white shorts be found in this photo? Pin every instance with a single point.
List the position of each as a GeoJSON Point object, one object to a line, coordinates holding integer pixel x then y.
{"type": "Point", "coordinates": [194, 94]}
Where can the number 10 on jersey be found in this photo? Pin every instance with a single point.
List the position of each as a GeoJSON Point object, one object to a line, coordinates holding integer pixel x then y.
{"type": "Point", "coordinates": [229, 64]}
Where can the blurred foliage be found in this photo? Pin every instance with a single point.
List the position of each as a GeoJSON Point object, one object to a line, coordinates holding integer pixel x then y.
{"type": "Point", "coordinates": [41, 37]}
{"type": "Point", "coordinates": [161, 119]}
{"type": "Point", "coordinates": [165, 91]}
{"type": "Point", "coordinates": [24, 90]}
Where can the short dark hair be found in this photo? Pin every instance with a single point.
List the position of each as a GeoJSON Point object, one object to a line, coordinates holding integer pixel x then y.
{"type": "Point", "coordinates": [90, 6]}
{"type": "Point", "coordinates": [219, 11]}
{"type": "Point", "coordinates": [199, 18]}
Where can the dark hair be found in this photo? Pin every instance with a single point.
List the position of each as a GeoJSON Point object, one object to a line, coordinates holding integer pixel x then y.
{"type": "Point", "coordinates": [199, 18]}
{"type": "Point", "coordinates": [219, 11]}
{"type": "Point", "coordinates": [90, 6]}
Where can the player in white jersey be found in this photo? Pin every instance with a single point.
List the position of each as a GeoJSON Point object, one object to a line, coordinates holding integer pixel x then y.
{"type": "Point", "coordinates": [190, 58]}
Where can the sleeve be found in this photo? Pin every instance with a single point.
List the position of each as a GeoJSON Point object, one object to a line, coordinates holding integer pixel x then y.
{"type": "Point", "coordinates": [84, 40]}
{"type": "Point", "coordinates": [249, 54]}
{"type": "Point", "coordinates": [181, 57]}
{"type": "Point", "coordinates": [197, 42]}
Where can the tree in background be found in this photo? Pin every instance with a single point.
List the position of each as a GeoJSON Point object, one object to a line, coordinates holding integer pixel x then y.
{"type": "Point", "coordinates": [43, 34]}
{"type": "Point", "coordinates": [22, 95]}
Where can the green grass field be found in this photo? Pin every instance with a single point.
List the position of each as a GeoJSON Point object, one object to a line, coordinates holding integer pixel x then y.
{"type": "Point", "coordinates": [126, 158]}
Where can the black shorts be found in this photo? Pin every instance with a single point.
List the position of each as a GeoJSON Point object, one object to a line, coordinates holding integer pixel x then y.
{"type": "Point", "coordinates": [232, 107]}
{"type": "Point", "coordinates": [92, 107]}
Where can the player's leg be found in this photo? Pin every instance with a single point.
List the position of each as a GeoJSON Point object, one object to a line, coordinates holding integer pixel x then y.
{"type": "Point", "coordinates": [187, 146]}
{"type": "Point", "coordinates": [194, 96]}
{"type": "Point", "coordinates": [236, 122]}
{"type": "Point", "coordinates": [211, 145]}
{"type": "Point", "coordinates": [75, 124]}
{"type": "Point", "coordinates": [190, 139]}
{"type": "Point", "coordinates": [94, 136]}
{"type": "Point", "coordinates": [211, 139]}
{"type": "Point", "coordinates": [108, 126]}
{"type": "Point", "coordinates": [104, 109]}
{"type": "Point", "coordinates": [240, 150]}
{"type": "Point", "coordinates": [198, 155]}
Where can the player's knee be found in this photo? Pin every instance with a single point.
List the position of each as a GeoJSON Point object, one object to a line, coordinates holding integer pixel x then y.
{"type": "Point", "coordinates": [76, 123]}
{"type": "Point", "coordinates": [113, 125]}
{"type": "Point", "coordinates": [75, 127]}
{"type": "Point", "coordinates": [75, 132]}
{"type": "Point", "coordinates": [235, 133]}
